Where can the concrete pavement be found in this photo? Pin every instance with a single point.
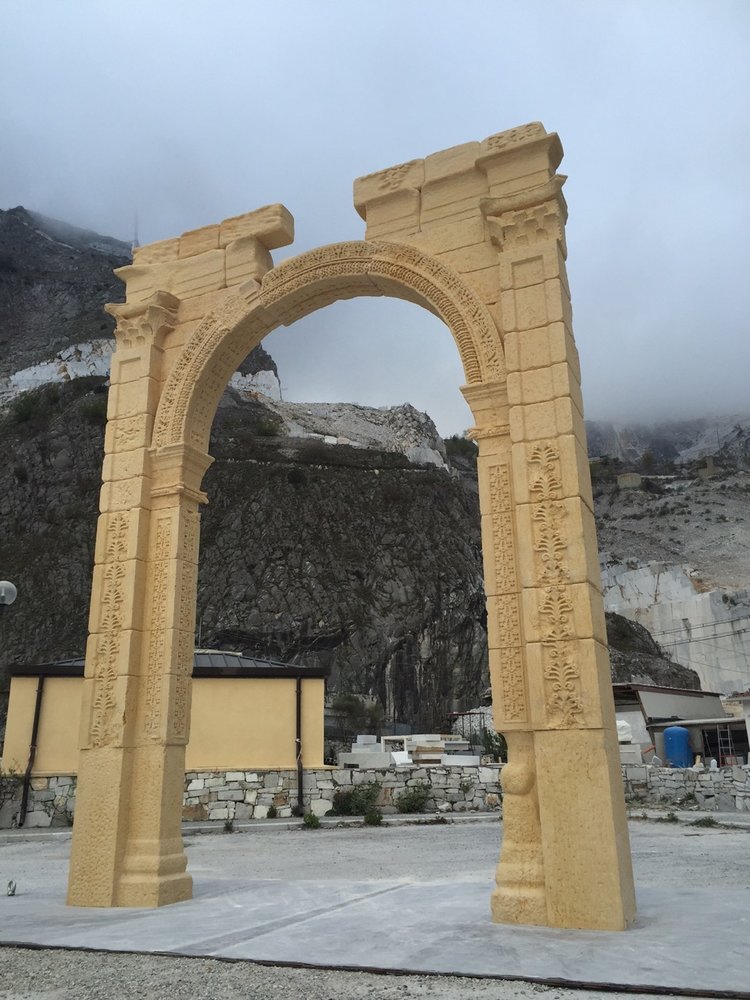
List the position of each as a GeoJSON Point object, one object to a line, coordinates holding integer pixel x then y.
{"type": "Point", "coordinates": [377, 904]}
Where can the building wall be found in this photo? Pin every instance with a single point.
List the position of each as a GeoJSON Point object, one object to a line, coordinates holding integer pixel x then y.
{"type": "Point", "coordinates": [57, 740]}
{"type": "Point", "coordinates": [241, 723]}
{"type": "Point", "coordinates": [236, 722]}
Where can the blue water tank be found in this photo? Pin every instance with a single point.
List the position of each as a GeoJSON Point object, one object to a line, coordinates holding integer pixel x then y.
{"type": "Point", "coordinates": [677, 747]}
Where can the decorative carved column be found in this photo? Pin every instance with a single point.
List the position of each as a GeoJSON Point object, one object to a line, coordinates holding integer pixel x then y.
{"type": "Point", "coordinates": [126, 751]}
{"type": "Point", "coordinates": [569, 760]}
{"type": "Point", "coordinates": [153, 864]}
{"type": "Point", "coordinates": [520, 893]}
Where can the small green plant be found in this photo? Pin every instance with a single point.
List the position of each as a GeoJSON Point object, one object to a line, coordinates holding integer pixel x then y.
{"type": "Point", "coordinates": [10, 786]}
{"type": "Point", "coordinates": [296, 477]}
{"type": "Point", "coordinates": [24, 407]}
{"type": "Point", "coordinates": [356, 801]}
{"type": "Point", "coordinates": [459, 446]}
{"type": "Point", "coordinates": [228, 825]}
{"type": "Point", "coordinates": [414, 799]}
{"type": "Point", "coordinates": [373, 817]}
{"type": "Point", "coordinates": [669, 818]}
{"type": "Point", "coordinates": [297, 810]}
{"type": "Point", "coordinates": [311, 821]}
{"type": "Point", "coordinates": [94, 410]}
{"type": "Point", "coordinates": [272, 813]}
{"type": "Point", "coordinates": [494, 745]}
{"type": "Point", "coordinates": [706, 821]}
{"type": "Point", "coordinates": [269, 427]}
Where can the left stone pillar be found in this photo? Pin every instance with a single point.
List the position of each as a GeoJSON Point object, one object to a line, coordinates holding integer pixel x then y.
{"type": "Point", "coordinates": [127, 847]}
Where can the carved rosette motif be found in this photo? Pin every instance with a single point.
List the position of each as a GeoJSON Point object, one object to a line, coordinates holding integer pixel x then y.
{"type": "Point", "coordinates": [515, 136]}
{"type": "Point", "coordinates": [103, 729]}
{"type": "Point", "coordinates": [563, 699]}
{"type": "Point", "coordinates": [158, 625]}
{"type": "Point", "coordinates": [295, 288]}
{"type": "Point", "coordinates": [391, 179]}
{"type": "Point", "coordinates": [513, 686]}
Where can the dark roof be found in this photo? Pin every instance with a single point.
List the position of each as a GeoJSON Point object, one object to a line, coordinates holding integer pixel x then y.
{"type": "Point", "coordinates": [206, 663]}
{"type": "Point", "coordinates": [626, 687]}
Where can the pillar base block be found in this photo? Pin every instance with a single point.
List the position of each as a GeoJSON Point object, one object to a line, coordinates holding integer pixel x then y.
{"type": "Point", "coordinates": [153, 891]}
{"type": "Point", "coordinates": [519, 906]}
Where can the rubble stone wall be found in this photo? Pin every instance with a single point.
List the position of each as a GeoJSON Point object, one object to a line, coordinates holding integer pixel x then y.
{"type": "Point", "coordinates": [241, 795]}
{"type": "Point", "coordinates": [723, 790]}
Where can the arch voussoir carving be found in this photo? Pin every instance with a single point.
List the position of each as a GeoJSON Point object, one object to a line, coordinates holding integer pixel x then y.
{"type": "Point", "coordinates": [300, 286]}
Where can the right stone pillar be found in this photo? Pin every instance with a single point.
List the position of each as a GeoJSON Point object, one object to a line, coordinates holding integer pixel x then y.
{"type": "Point", "coordinates": [565, 858]}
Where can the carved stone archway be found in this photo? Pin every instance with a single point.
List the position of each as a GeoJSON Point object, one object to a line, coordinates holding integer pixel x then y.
{"type": "Point", "coordinates": [476, 235]}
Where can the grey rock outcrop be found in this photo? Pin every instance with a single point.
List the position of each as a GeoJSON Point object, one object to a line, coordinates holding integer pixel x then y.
{"type": "Point", "coordinates": [635, 658]}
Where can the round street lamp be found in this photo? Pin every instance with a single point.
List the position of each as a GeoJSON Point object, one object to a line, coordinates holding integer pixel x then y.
{"type": "Point", "coordinates": [8, 593]}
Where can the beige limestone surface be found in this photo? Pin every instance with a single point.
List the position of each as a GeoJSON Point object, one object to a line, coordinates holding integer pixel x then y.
{"type": "Point", "coordinates": [475, 234]}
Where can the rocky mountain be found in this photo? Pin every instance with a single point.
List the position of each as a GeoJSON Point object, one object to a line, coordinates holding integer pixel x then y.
{"type": "Point", "coordinates": [54, 280]}
{"type": "Point", "coordinates": [336, 534]}
{"type": "Point", "coordinates": [675, 441]}
{"type": "Point", "coordinates": [636, 658]}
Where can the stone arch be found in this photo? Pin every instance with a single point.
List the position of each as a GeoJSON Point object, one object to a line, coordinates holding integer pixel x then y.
{"type": "Point", "coordinates": [303, 285]}
{"type": "Point", "coordinates": [475, 234]}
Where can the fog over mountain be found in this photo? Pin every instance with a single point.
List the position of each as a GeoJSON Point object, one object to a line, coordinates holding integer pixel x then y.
{"type": "Point", "coordinates": [187, 113]}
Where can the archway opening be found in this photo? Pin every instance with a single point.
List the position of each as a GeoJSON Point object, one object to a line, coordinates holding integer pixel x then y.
{"type": "Point", "coordinates": [344, 538]}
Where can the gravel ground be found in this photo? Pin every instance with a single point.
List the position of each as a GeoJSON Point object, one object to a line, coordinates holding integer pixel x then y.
{"type": "Point", "coordinates": [70, 975]}
{"type": "Point", "coordinates": [664, 855]}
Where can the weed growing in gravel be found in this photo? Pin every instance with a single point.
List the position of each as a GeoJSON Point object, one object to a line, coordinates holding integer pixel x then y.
{"type": "Point", "coordinates": [272, 813]}
{"type": "Point", "coordinates": [373, 817]}
{"type": "Point", "coordinates": [669, 818]}
{"type": "Point", "coordinates": [228, 825]}
{"type": "Point", "coordinates": [704, 821]}
{"type": "Point", "coordinates": [311, 821]}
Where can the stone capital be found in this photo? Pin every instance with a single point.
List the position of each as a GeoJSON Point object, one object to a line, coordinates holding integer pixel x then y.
{"type": "Point", "coordinates": [178, 470]}
{"type": "Point", "coordinates": [144, 324]}
{"type": "Point", "coordinates": [488, 402]}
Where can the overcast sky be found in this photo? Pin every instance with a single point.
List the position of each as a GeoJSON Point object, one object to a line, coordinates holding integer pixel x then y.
{"type": "Point", "coordinates": [195, 111]}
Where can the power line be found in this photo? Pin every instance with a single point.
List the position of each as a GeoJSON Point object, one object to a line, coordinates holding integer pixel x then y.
{"type": "Point", "coordinates": [719, 621]}
{"type": "Point", "coordinates": [706, 638]}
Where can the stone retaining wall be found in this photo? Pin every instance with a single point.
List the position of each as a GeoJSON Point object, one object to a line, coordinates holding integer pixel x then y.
{"type": "Point", "coordinates": [722, 790]}
{"type": "Point", "coordinates": [249, 794]}
{"type": "Point", "coordinates": [239, 795]}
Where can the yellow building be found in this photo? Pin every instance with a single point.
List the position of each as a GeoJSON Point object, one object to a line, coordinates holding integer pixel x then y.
{"type": "Point", "coordinates": [247, 714]}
